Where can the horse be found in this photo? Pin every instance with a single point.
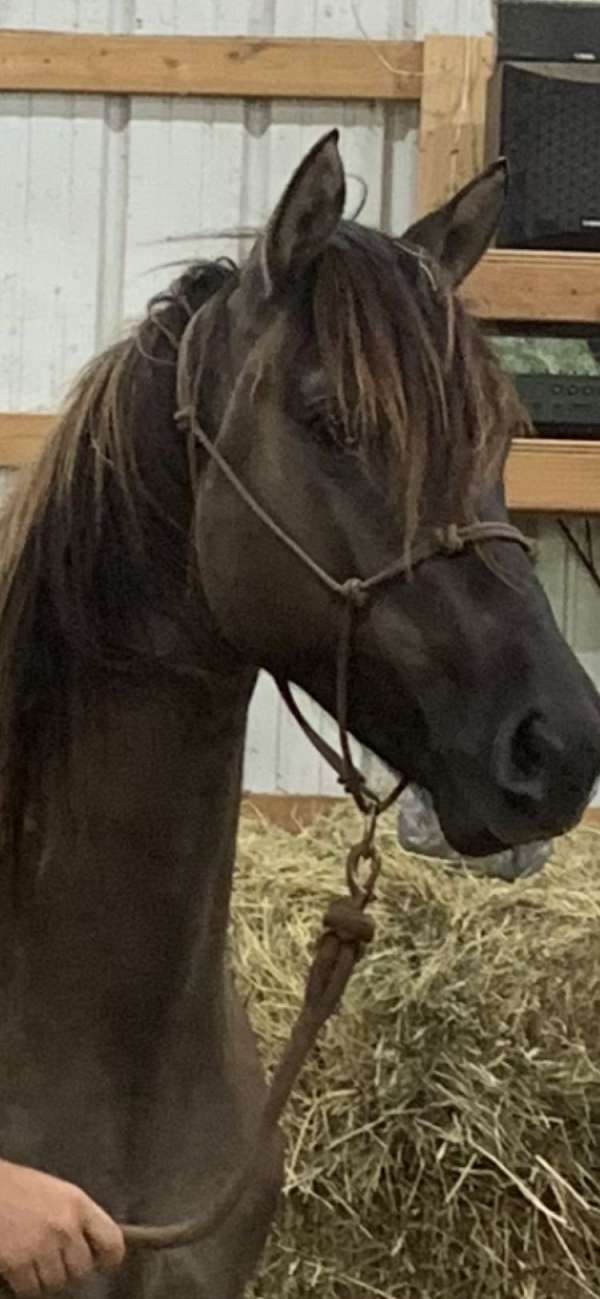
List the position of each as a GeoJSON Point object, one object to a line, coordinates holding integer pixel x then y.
{"type": "Point", "coordinates": [355, 406]}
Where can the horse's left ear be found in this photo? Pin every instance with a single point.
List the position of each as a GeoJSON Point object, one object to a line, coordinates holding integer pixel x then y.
{"type": "Point", "coordinates": [306, 216]}
{"type": "Point", "coordinates": [458, 234]}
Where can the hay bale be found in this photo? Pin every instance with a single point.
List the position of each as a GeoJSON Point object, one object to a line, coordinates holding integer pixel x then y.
{"type": "Point", "coordinates": [443, 1142]}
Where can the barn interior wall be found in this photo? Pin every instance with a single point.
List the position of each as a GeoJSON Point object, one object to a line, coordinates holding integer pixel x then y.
{"type": "Point", "coordinates": [100, 194]}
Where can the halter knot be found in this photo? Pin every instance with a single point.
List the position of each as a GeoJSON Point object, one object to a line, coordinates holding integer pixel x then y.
{"type": "Point", "coordinates": [449, 539]}
{"type": "Point", "coordinates": [354, 592]}
{"type": "Point", "coordinates": [349, 924]}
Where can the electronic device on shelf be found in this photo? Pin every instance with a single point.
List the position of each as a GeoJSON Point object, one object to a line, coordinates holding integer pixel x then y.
{"type": "Point", "coordinates": [557, 378]}
{"type": "Point", "coordinates": [543, 116]}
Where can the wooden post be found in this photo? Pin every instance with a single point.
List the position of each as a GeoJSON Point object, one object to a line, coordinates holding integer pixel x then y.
{"type": "Point", "coordinates": [456, 71]}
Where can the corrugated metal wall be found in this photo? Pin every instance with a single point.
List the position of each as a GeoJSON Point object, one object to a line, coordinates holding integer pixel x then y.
{"type": "Point", "coordinates": [98, 194]}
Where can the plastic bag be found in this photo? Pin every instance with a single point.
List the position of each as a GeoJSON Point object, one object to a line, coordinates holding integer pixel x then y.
{"type": "Point", "coordinates": [419, 831]}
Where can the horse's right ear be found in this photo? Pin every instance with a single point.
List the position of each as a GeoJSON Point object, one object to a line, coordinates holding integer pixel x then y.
{"type": "Point", "coordinates": [306, 216]}
{"type": "Point", "coordinates": [457, 234]}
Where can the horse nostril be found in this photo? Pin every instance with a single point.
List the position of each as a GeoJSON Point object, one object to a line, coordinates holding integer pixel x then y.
{"type": "Point", "coordinates": [528, 748]}
{"type": "Point", "coordinates": [526, 757]}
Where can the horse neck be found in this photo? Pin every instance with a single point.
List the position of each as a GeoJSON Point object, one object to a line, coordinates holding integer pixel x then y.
{"type": "Point", "coordinates": [140, 851]}
{"type": "Point", "coordinates": [136, 819]}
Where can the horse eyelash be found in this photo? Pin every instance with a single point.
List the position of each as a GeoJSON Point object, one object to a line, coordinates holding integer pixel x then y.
{"type": "Point", "coordinates": [325, 420]}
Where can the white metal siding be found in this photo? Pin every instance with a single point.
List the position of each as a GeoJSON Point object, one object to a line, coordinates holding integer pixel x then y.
{"type": "Point", "coordinates": [98, 194]}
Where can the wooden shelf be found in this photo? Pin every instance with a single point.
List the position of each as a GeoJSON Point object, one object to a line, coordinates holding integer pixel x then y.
{"type": "Point", "coordinates": [239, 66]}
{"type": "Point", "coordinates": [554, 476]}
{"type": "Point", "coordinates": [514, 284]}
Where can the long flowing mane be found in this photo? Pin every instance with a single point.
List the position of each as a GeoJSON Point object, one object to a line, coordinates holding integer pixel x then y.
{"type": "Point", "coordinates": [97, 527]}
{"type": "Point", "coordinates": [103, 523]}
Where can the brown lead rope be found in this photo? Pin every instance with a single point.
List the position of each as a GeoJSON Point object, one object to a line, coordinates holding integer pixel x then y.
{"type": "Point", "coordinates": [346, 927]}
{"type": "Point", "coordinates": [346, 930]}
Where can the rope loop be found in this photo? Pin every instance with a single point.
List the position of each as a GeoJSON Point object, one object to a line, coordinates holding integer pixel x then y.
{"type": "Point", "coordinates": [362, 890]}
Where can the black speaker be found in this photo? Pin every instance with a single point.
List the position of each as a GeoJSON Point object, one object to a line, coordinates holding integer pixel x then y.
{"type": "Point", "coordinates": [550, 30]}
{"type": "Point", "coordinates": [545, 119]}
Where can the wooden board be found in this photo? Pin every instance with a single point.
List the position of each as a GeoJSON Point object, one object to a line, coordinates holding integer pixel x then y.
{"type": "Point", "coordinates": [290, 811]}
{"type": "Point", "coordinates": [22, 437]}
{"type": "Point", "coordinates": [456, 70]}
{"type": "Point", "coordinates": [554, 476]}
{"type": "Point", "coordinates": [294, 812]}
{"type": "Point", "coordinates": [541, 474]}
{"type": "Point", "coordinates": [513, 284]}
{"type": "Point", "coordinates": [244, 67]}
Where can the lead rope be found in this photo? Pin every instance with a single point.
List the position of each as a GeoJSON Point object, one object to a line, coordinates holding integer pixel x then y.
{"type": "Point", "coordinates": [346, 931]}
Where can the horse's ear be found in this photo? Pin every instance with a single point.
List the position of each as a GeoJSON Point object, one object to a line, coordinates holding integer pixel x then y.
{"type": "Point", "coordinates": [306, 216]}
{"type": "Point", "coordinates": [458, 234]}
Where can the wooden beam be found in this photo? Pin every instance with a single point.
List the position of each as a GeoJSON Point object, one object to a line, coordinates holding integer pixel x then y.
{"type": "Point", "coordinates": [512, 284]}
{"type": "Point", "coordinates": [22, 437]}
{"type": "Point", "coordinates": [244, 67]}
{"type": "Point", "coordinates": [290, 811]}
{"type": "Point", "coordinates": [456, 70]}
{"type": "Point", "coordinates": [554, 476]}
{"type": "Point", "coordinates": [542, 474]}
{"type": "Point", "coordinates": [294, 812]}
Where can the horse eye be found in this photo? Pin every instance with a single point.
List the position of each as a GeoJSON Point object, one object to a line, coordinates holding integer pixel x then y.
{"type": "Point", "coordinates": [326, 423]}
